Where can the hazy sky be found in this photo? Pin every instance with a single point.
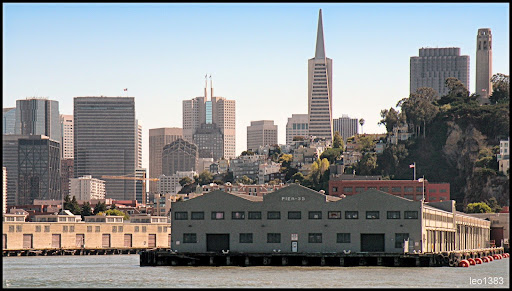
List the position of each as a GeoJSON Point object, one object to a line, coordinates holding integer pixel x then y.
{"type": "Point", "coordinates": [257, 54]}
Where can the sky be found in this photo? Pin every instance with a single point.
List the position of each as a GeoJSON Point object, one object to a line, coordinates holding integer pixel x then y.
{"type": "Point", "coordinates": [256, 53]}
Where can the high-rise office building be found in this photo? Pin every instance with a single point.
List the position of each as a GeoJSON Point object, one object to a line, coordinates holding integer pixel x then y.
{"type": "Point", "coordinates": [38, 116]}
{"type": "Point", "coordinates": [4, 190]}
{"type": "Point", "coordinates": [484, 64]}
{"type": "Point", "coordinates": [10, 162]}
{"type": "Point", "coordinates": [139, 143]}
{"type": "Point", "coordinates": [216, 110]}
{"type": "Point", "coordinates": [261, 133]}
{"type": "Point", "coordinates": [158, 138]}
{"type": "Point", "coordinates": [346, 126]}
{"type": "Point", "coordinates": [210, 141]}
{"type": "Point", "coordinates": [297, 125]}
{"type": "Point", "coordinates": [180, 155]}
{"type": "Point", "coordinates": [140, 186]}
{"type": "Point", "coordinates": [66, 173]}
{"type": "Point", "coordinates": [434, 65]}
{"type": "Point", "coordinates": [9, 120]}
{"type": "Point", "coordinates": [105, 142]}
{"type": "Point", "coordinates": [320, 89]}
{"type": "Point", "coordinates": [66, 122]}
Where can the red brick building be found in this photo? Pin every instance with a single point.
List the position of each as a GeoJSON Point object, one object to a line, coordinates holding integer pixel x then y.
{"type": "Point", "coordinates": [409, 189]}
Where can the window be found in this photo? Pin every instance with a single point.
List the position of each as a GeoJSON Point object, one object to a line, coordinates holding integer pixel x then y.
{"type": "Point", "coordinates": [372, 188]}
{"type": "Point", "coordinates": [351, 214]}
{"type": "Point", "coordinates": [273, 238]}
{"type": "Point", "coordinates": [64, 228]}
{"type": "Point", "coordinates": [384, 189]}
{"type": "Point", "coordinates": [189, 238]}
{"type": "Point", "coordinates": [372, 215]}
{"type": "Point", "coordinates": [216, 215]}
{"type": "Point", "coordinates": [334, 214]}
{"type": "Point", "coordinates": [315, 238]}
{"type": "Point", "coordinates": [38, 228]}
{"type": "Point", "coordinates": [399, 239]}
{"type": "Point", "coordinates": [136, 229]}
{"type": "Point", "coordinates": [46, 228]}
{"type": "Point", "coordinates": [89, 228]}
{"type": "Point", "coordinates": [442, 190]}
{"type": "Point", "coordinates": [432, 190]}
{"type": "Point", "coordinates": [419, 189]}
{"type": "Point", "coordinates": [19, 228]}
{"type": "Point", "coordinates": [347, 189]}
{"type": "Point", "coordinates": [393, 214]}
{"type": "Point", "coordinates": [181, 215]}
{"type": "Point", "coordinates": [245, 238]}
{"type": "Point", "coordinates": [396, 189]}
{"type": "Point", "coordinates": [294, 214]}
{"type": "Point", "coordinates": [97, 229]}
{"type": "Point", "coordinates": [11, 228]}
{"type": "Point", "coordinates": [408, 189]}
{"type": "Point", "coordinates": [143, 229]}
{"type": "Point", "coordinates": [334, 189]}
{"type": "Point", "coordinates": [71, 228]}
{"type": "Point", "coordinates": [315, 215]}
{"type": "Point", "coordinates": [273, 215]}
{"type": "Point", "coordinates": [411, 214]}
{"type": "Point", "coordinates": [254, 214]}
{"type": "Point", "coordinates": [120, 229]}
{"type": "Point", "coordinates": [238, 215]}
{"type": "Point", "coordinates": [197, 215]}
{"type": "Point", "coordinates": [343, 237]}
{"type": "Point", "coordinates": [359, 189]}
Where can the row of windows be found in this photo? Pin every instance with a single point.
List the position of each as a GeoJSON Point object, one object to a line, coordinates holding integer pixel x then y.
{"type": "Point", "coordinates": [238, 215]}
{"type": "Point", "coordinates": [71, 228]}
{"type": "Point", "coordinates": [312, 238]}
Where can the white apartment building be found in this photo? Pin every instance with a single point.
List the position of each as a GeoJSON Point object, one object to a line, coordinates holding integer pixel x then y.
{"type": "Point", "coordinates": [503, 157]}
{"type": "Point", "coordinates": [346, 126]}
{"type": "Point", "coordinates": [297, 125]}
{"type": "Point", "coordinates": [66, 123]}
{"type": "Point", "coordinates": [86, 188]}
{"type": "Point", "coordinates": [266, 169]}
{"type": "Point", "coordinates": [261, 133]}
{"type": "Point", "coordinates": [171, 184]}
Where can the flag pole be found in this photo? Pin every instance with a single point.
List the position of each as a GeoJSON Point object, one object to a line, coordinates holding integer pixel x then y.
{"type": "Point", "coordinates": [414, 170]}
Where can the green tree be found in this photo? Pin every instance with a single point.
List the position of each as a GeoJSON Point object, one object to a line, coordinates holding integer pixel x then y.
{"type": "Point", "coordinates": [493, 204]}
{"type": "Point", "coordinates": [113, 206]}
{"type": "Point", "coordinates": [298, 178]}
{"type": "Point", "coordinates": [115, 212]}
{"type": "Point", "coordinates": [367, 164]}
{"type": "Point", "coordinates": [332, 154]}
{"type": "Point", "coordinates": [86, 210]}
{"type": "Point", "coordinates": [390, 118]}
{"type": "Point", "coordinates": [500, 89]}
{"type": "Point", "coordinates": [367, 143]}
{"type": "Point", "coordinates": [100, 207]}
{"type": "Point", "coordinates": [337, 141]}
{"type": "Point", "coordinates": [245, 180]}
{"type": "Point", "coordinates": [205, 178]}
{"type": "Point", "coordinates": [419, 108]}
{"type": "Point", "coordinates": [72, 205]}
{"type": "Point", "coordinates": [185, 181]}
{"type": "Point", "coordinates": [286, 160]}
{"type": "Point", "coordinates": [247, 153]}
{"type": "Point", "coordinates": [478, 207]}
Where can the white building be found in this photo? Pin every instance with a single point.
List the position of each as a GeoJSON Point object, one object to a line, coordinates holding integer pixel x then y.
{"type": "Point", "coordinates": [297, 125]}
{"type": "Point", "coordinates": [503, 157]}
{"type": "Point", "coordinates": [171, 184]}
{"type": "Point", "coordinates": [4, 191]}
{"type": "Point", "coordinates": [346, 126]}
{"type": "Point", "coordinates": [261, 133]}
{"type": "Point", "coordinates": [66, 123]}
{"type": "Point", "coordinates": [266, 169]}
{"type": "Point", "coordinates": [86, 188]}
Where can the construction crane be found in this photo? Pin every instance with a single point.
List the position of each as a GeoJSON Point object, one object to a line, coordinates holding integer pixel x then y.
{"type": "Point", "coordinates": [128, 177]}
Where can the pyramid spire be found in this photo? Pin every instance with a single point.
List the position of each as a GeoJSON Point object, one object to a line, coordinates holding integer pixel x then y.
{"type": "Point", "coordinates": [320, 50]}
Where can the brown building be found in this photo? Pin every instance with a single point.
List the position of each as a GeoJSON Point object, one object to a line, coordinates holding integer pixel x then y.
{"type": "Point", "coordinates": [66, 173]}
{"type": "Point", "coordinates": [158, 138]}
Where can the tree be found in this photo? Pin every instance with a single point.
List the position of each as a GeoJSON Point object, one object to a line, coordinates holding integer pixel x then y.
{"type": "Point", "coordinates": [247, 153]}
{"type": "Point", "coordinates": [100, 207]}
{"type": "Point", "coordinates": [361, 121]}
{"type": "Point", "coordinates": [332, 154]}
{"type": "Point", "coordinates": [116, 212]}
{"type": "Point", "coordinates": [113, 206]}
{"type": "Point", "coordinates": [337, 141]}
{"type": "Point", "coordinates": [493, 204]}
{"type": "Point", "coordinates": [367, 143]}
{"type": "Point", "coordinates": [286, 160]}
{"type": "Point", "coordinates": [419, 108]}
{"type": "Point", "coordinates": [500, 89]}
{"type": "Point", "coordinates": [72, 205]}
{"type": "Point", "coordinates": [205, 178]}
{"type": "Point", "coordinates": [367, 164]}
{"type": "Point", "coordinates": [478, 207]}
{"type": "Point", "coordinates": [298, 178]}
{"type": "Point", "coordinates": [245, 180]}
{"type": "Point", "coordinates": [86, 210]}
{"type": "Point", "coordinates": [185, 181]}
{"type": "Point", "coordinates": [390, 118]}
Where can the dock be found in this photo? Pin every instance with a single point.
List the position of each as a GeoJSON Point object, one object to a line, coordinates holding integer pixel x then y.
{"type": "Point", "coordinates": [452, 259]}
{"type": "Point", "coordinates": [75, 252]}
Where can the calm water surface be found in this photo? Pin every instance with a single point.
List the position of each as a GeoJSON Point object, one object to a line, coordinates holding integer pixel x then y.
{"type": "Point", "coordinates": [123, 271]}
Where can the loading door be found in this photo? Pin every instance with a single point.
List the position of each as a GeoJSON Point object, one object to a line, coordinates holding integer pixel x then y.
{"type": "Point", "coordinates": [372, 242]}
{"type": "Point", "coordinates": [128, 240]}
{"type": "Point", "coordinates": [27, 241]}
{"type": "Point", "coordinates": [56, 241]}
{"type": "Point", "coordinates": [217, 242]}
{"type": "Point", "coordinates": [80, 240]}
{"type": "Point", "coordinates": [152, 241]}
{"type": "Point", "coordinates": [105, 240]}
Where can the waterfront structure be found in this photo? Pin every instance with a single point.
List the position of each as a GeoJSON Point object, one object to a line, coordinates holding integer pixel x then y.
{"type": "Point", "coordinates": [87, 188]}
{"type": "Point", "coordinates": [158, 138]}
{"type": "Point", "coordinates": [346, 126]}
{"type": "Point", "coordinates": [66, 173]}
{"type": "Point", "coordinates": [297, 125]}
{"type": "Point", "coordinates": [38, 169]}
{"type": "Point", "coordinates": [4, 190]}
{"type": "Point", "coordinates": [483, 65]}
{"type": "Point", "coordinates": [66, 127]}
{"type": "Point", "coordinates": [210, 141]}
{"type": "Point", "coordinates": [410, 189]}
{"type": "Point", "coordinates": [105, 142]}
{"type": "Point", "coordinates": [246, 166]}
{"type": "Point", "coordinates": [434, 65]}
{"type": "Point", "coordinates": [180, 155]}
{"type": "Point", "coordinates": [504, 156]}
{"type": "Point", "coordinates": [320, 89]}
{"type": "Point", "coordinates": [38, 116]}
{"type": "Point", "coordinates": [218, 111]}
{"type": "Point", "coordinates": [301, 220]}
{"type": "Point", "coordinates": [261, 133]}
{"type": "Point", "coordinates": [500, 228]}
{"type": "Point", "coordinates": [171, 184]}
{"type": "Point", "coordinates": [9, 120]}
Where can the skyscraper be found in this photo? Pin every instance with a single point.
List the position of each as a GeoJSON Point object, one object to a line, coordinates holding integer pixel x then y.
{"type": "Point", "coordinates": [66, 142]}
{"type": "Point", "coordinates": [38, 116]}
{"type": "Point", "coordinates": [105, 142]}
{"type": "Point", "coordinates": [158, 138]}
{"type": "Point", "coordinates": [139, 143]}
{"type": "Point", "coordinates": [297, 125]}
{"type": "Point", "coordinates": [320, 89]}
{"type": "Point", "coordinates": [180, 155]}
{"type": "Point", "coordinates": [219, 111]}
{"type": "Point", "coordinates": [484, 64]}
{"type": "Point", "coordinates": [261, 133]}
{"type": "Point", "coordinates": [9, 120]}
{"type": "Point", "coordinates": [434, 65]}
{"type": "Point", "coordinates": [346, 126]}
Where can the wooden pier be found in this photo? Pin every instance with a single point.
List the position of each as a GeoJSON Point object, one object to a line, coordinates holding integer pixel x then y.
{"type": "Point", "coordinates": [75, 252]}
{"type": "Point", "coordinates": [169, 258]}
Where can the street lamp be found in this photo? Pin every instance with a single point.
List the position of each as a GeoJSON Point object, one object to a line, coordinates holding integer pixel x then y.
{"type": "Point", "coordinates": [423, 188]}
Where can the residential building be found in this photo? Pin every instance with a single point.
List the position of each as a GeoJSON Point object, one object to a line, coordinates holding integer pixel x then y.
{"type": "Point", "coordinates": [320, 89]}
{"type": "Point", "coordinates": [9, 120]}
{"type": "Point", "coordinates": [252, 190]}
{"type": "Point", "coordinates": [346, 126]}
{"type": "Point", "coordinates": [297, 125]}
{"type": "Point", "coordinates": [504, 156]}
{"type": "Point", "coordinates": [171, 184]}
{"type": "Point", "coordinates": [210, 141]}
{"type": "Point", "coordinates": [298, 219]}
{"type": "Point", "coordinates": [266, 169]}
{"type": "Point", "coordinates": [483, 65]}
{"type": "Point", "coordinates": [434, 65]}
{"type": "Point", "coordinates": [38, 116]}
{"type": "Point", "coordinates": [261, 133]}
{"type": "Point", "coordinates": [4, 190]}
{"type": "Point", "coordinates": [399, 133]}
{"type": "Point", "coordinates": [223, 165]}
{"type": "Point", "coordinates": [180, 155]}
{"type": "Point", "coordinates": [86, 188]}
{"type": "Point", "coordinates": [158, 138]}
{"type": "Point", "coordinates": [66, 173]}
{"type": "Point", "coordinates": [66, 125]}
{"type": "Point", "coordinates": [203, 164]}
{"type": "Point", "coordinates": [246, 166]}
{"type": "Point", "coordinates": [105, 142]}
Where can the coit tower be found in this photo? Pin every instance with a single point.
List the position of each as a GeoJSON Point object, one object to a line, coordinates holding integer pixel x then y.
{"type": "Point", "coordinates": [484, 64]}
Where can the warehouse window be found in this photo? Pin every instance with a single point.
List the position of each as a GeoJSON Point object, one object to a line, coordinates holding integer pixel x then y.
{"type": "Point", "coordinates": [411, 214]}
{"type": "Point", "coordinates": [217, 215]}
{"type": "Point", "coordinates": [372, 215]}
{"type": "Point", "coordinates": [246, 238]}
{"type": "Point", "coordinates": [273, 215]}
{"type": "Point", "coordinates": [238, 215]}
{"type": "Point", "coordinates": [343, 237]}
{"type": "Point", "coordinates": [199, 215]}
{"type": "Point", "coordinates": [294, 215]}
{"type": "Point", "coordinates": [393, 214]}
{"type": "Point", "coordinates": [273, 238]}
{"type": "Point", "coordinates": [181, 215]}
{"type": "Point", "coordinates": [351, 214]}
{"type": "Point", "coordinates": [189, 238]}
{"type": "Point", "coordinates": [254, 214]}
{"type": "Point", "coordinates": [315, 238]}
{"type": "Point", "coordinates": [315, 215]}
{"type": "Point", "coordinates": [334, 214]}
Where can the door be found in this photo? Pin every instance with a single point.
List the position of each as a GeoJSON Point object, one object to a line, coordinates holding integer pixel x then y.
{"type": "Point", "coordinates": [80, 240]}
{"type": "Point", "coordinates": [127, 240]}
{"type": "Point", "coordinates": [4, 241]}
{"type": "Point", "coordinates": [105, 240]}
{"type": "Point", "coordinates": [217, 242]}
{"type": "Point", "coordinates": [294, 246]}
{"type": "Point", "coordinates": [372, 242]}
{"type": "Point", "coordinates": [27, 241]}
{"type": "Point", "coordinates": [152, 241]}
{"type": "Point", "coordinates": [56, 241]}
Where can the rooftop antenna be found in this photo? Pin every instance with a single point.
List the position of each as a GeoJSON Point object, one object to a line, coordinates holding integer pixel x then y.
{"type": "Point", "coordinates": [205, 86]}
{"type": "Point", "coordinates": [211, 87]}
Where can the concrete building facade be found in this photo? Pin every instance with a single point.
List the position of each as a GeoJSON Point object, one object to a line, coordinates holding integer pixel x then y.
{"type": "Point", "coordinates": [504, 156]}
{"type": "Point", "coordinates": [246, 166]}
{"type": "Point", "coordinates": [484, 64]}
{"type": "Point", "coordinates": [9, 120]}
{"type": "Point", "coordinates": [261, 133]}
{"type": "Point", "coordinates": [66, 125]}
{"type": "Point", "coordinates": [158, 138]}
{"type": "Point", "coordinates": [434, 65]}
{"type": "Point", "coordinates": [105, 142]}
{"type": "Point", "coordinates": [4, 190]}
{"type": "Point", "coordinates": [171, 184]}
{"type": "Point", "coordinates": [297, 125]}
{"type": "Point", "coordinates": [180, 155]}
{"type": "Point", "coordinates": [66, 173]}
{"type": "Point", "coordinates": [320, 89]}
{"type": "Point", "coordinates": [87, 188]}
{"type": "Point", "coordinates": [346, 126]}
{"type": "Point", "coordinates": [210, 141]}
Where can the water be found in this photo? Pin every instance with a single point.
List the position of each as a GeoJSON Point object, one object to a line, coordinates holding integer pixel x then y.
{"type": "Point", "coordinates": [123, 271]}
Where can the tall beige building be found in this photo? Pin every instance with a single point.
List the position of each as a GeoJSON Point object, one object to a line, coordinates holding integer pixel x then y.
{"type": "Point", "coordinates": [158, 138]}
{"type": "Point", "coordinates": [484, 64]}
{"type": "Point", "coordinates": [297, 125]}
{"type": "Point", "coordinates": [219, 111]}
{"type": "Point", "coordinates": [320, 89]}
{"type": "Point", "coordinates": [66, 122]}
{"type": "Point", "coordinates": [139, 143]}
{"type": "Point", "coordinates": [261, 133]}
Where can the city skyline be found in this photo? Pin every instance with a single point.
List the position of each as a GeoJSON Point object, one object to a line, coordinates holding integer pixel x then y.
{"type": "Point", "coordinates": [257, 55]}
